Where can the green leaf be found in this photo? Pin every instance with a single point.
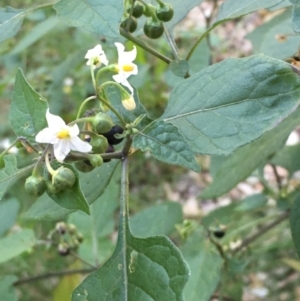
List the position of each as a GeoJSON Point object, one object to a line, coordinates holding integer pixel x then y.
{"type": "Point", "coordinates": [8, 214]}
{"type": "Point", "coordinates": [180, 67]}
{"type": "Point", "coordinates": [166, 144]}
{"type": "Point", "coordinates": [275, 38]}
{"type": "Point", "coordinates": [139, 269]}
{"type": "Point", "coordinates": [35, 34]}
{"type": "Point", "coordinates": [236, 8]}
{"type": "Point", "coordinates": [232, 103]}
{"type": "Point", "coordinates": [252, 202]}
{"type": "Point", "coordinates": [99, 16]}
{"type": "Point", "coordinates": [28, 109]}
{"type": "Point", "coordinates": [71, 198]}
{"type": "Point", "coordinates": [288, 158]}
{"type": "Point", "coordinates": [15, 244]}
{"type": "Point", "coordinates": [239, 165]}
{"type": "Point", "coordinates": [205, 264]}
{"type": "Point", "coordinates": [157, 220]}
{"type": "Point", "coordinates": [93, 185]}
{"type": "Point", "coordinates": [7, 289]}
{"type": "Point", "coordinates": [296, 17]}
{"type": "Point", "coordinates": [10, 173]}
{"type": "Point", "coordinates": [11, 20]}
{"type": "Point", "coordinates": [295, 223]}
{"type": "Point", "coordinates": [113, 94]}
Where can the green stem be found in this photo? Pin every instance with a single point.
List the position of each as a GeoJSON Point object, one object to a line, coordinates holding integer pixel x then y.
{"type": "Point", "coordinates": [172, 43]}
{"type": "Point", "coordinates": [39, 161]}
{"type": "Point", "coordinates": [143, 45]}
{"type": "Point", "coordinates": [102, 70]}
{"type": "Point", "coordinates": [83, 104]}
{"type": "Point", "coordinates": [80, 120]}
{"type": "Point", "coordinates": [48, 165]}
{"type": "Point", "coordinates": [202, 37]}
{"type": "Point", "coordinates": [93, 78]}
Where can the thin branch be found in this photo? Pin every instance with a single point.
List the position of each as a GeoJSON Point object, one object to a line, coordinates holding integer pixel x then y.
{"type": "Point", "coordinates": [278, 179]}
{"type": "Point", "coordinates": [251, 238]}
{"type": "Point", "coordinates": [53, 275]}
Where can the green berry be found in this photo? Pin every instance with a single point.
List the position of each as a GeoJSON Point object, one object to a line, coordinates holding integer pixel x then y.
{"type": "Point", "coordinates": [102, 123]}
{"type": "Point", "coordinates": [132, 24]}
{"type": "Point", "coordinates": [64, 178]}
{"type": "Point", "coordinates": [138, 9]}
{"type": "Point", "coordinates": [99, 144]}
{"type": "Point", "coordinates": [83, 166]}
{"type": "Point", "coordinates": [153, 29]}
{"type": "Point", "coordinates": [35, 185]}
{"type": "Point", "coordinates": [63, 249]}
{"type": "Point", "coordinates": [165, 13]}
{"type": "Point", "coordinates": [147, 10]}
{"type": "Point", "coordinates": [95, 160]}
{"type": "Point", "coordinates": [52, 189]}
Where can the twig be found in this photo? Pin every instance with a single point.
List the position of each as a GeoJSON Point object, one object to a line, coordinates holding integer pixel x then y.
{"type": "Point", "coordinates": [278, 179]}
{"type": "Point", "coordinates": [52, 275]}
{"type": "Point", "coordinates": [251, 238]}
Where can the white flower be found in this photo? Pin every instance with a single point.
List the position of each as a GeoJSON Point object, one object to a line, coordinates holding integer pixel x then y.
{"type": "Point", "coordinates": [96, 57]}
{"type": "Point", "coordinates": [125, 67]}
{"type": "Point", "coordinates": [63, 137]}
{"type": "Point", "coordinates": [129, 103]}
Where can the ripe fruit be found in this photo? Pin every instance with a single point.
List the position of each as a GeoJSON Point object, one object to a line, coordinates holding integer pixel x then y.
{"type": "Point", "coordinates": [35, 185]}
{"type": "Point", "coordinates": [110, 135]}
{"type": "Point", "coordinates": [110, 149]}
{"type": "Point", "coordinates": [153, 29]}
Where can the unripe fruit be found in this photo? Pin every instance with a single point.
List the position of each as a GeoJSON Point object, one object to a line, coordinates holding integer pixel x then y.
{"type": "Point", "coordinates": [83, 166]}
{"type": "Point", "coordinates": [147, 10]}
{"type": "Point", "coordinates": [80, 237]}
{"type": "Point", "coordinates": [35, 185]}
{"type": "Point", "coordinates": [63, 249]}
{"type": "Point", "coordinates": [99, 144]}
{"type": "Point", "coordinates": [52, 189]}
{"type": "Point", "coordinates": [102, 123]}
{"type": "Point", "coordinates": [110, 135]}
{"type": "Point", "coordinates": [72, 229]}
{"type": "Point", "coordinates": [95, 160]}
{"type": "Point", "coordinates": [132, 24]}
{"type": "Point", "coordinates": [61, 228]}
{"type": "Point", "coordinates": [64, 178]}
{"type": "Point", "coordinates": [138, 9]}
{"type": "Point", "coordinates": [165, 13]}
{"type": "Point", "coordinates": [153, 29]}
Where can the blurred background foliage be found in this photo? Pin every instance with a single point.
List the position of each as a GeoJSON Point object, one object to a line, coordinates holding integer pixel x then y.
{"type": "Point", "coordinates": [164, 199]}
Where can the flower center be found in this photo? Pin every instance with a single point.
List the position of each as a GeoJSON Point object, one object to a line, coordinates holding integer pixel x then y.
{"type": "Point", "coordinates": [127, 68]}
{"type": "Point", "coordinates": [63, 134]}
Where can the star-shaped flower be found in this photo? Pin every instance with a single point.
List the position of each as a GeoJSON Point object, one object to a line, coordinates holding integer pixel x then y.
{"type": "Point", "coordinates": [125, 67]}
{"type": "Point", "coordinates": [96, 57]}
{"type": "Point", "coordinates": [63, 137]}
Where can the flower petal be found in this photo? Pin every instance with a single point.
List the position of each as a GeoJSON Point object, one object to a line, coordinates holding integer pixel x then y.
{"type": "Point", "coordinates": [54, 122]}
{"type": "Point", "coordinates": [61, 149]}
{"type": "Point", "coordinates": [120, 48]}
{"type": "Point", "coordinates": [129, 56]}
{"type": "Point", "coordinates": [73, 130]}
{"type": "Point", "coordinates": [46, 136]}
{"type": "Point", "coordinates": [77, 144]}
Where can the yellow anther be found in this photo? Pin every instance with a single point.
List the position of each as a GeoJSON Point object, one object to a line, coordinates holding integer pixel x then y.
{"type": "Point", "coordinates": [127, 68]}
{"type": "Point", "coordinates": [63, 134]}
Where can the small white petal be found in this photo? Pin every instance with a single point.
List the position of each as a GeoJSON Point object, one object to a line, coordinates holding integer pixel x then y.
{"type": "Point", "coordinates": [46, 136]}
{"type": "Point", "coordinates": [120, 48]}
{"type": "Point", "coordinates": [77, 144]}
{"type": "Point", "coordinates": [118, 78]}
{"type": "Point", "coordinates": [73, 130]}
{"type": "Point", "coordinates": [61, 149]}
{"type": "Point", "coordinates": [104, 60]}
{"type": "Point", "coordinates": [54, 122]}
{"type": "Point", "coordinates": [129, 56]}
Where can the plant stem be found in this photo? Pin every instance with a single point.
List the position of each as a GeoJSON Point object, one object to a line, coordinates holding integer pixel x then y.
{"type": "Point", "coordinates": [82, 260]}
{"type": "Point", "coordinates": [172, 43]}
{"type": "Point", "coordinates": [143, 45]}
{"type": "Point", "coordinates": [93, 78]}
{"type": "Point", "coordinates": [251, 238]}
{"type": "Point", "coordinates": [83, 104]}
{"type": "Point", "coordinates": [52, 275]}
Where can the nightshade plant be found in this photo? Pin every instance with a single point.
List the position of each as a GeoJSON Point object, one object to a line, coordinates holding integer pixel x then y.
{"type": "Point", "coordinates": [73, 159]}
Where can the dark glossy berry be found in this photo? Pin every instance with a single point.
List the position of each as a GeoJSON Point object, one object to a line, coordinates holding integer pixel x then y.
{"type": "Point", "coordinates": [102, 123]}
{"type": "Point", "coordinates": [132, 24]}
{"type": "Point", "coordinates": [99, 144]}
{"type": "Point", "coordinates": [153, 29]}
{"type": "Point", "coordinates": [110, 135]}
{"type": "Point", "coordinates": [138, 9]}
{"type": "Point", "coordinates": [64, 178]}
{"type": "Point", "coordinates": [110, 149]}
{"type": "Point", "coordinates": [35, 185]}
{"type": "Point", "coordinates": [84, 166]}
{"type": "Point", "coordinates": [63, 249]}
{"type": "Point", "coordinates": [165, 13]}
{"type": "Point", "coordinates": [219, 233]}
{"type": "Point", "coordinates": [95, 160]}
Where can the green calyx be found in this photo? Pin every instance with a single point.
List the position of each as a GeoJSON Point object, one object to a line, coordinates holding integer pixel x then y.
{"type": "Point", "coordinates": [102, 123]}
{"type": "Point", "coordinates": [64, 178]}
{"type": "Point", "coordinates": [165, 12]}
{"type": "Point", "coordinates": [35, 185]}
{"type": "Point", "coordinates": [153, 29]}
{"type": "Point", "coordinates": [130, 23]}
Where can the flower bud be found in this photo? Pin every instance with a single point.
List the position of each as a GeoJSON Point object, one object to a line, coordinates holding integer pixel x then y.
{"type": "Point", "coordinates": [102, 123]}
{"type": "Point", "coordinates": [64, 178]}
{"type": "Point", "coordinates": [95, 160]}
{"type": "Point", "coordinates": [35, 185]}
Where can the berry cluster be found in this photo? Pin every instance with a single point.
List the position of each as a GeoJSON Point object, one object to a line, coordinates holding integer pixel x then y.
{"type": "Point", "coordinates": [153, 27]}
